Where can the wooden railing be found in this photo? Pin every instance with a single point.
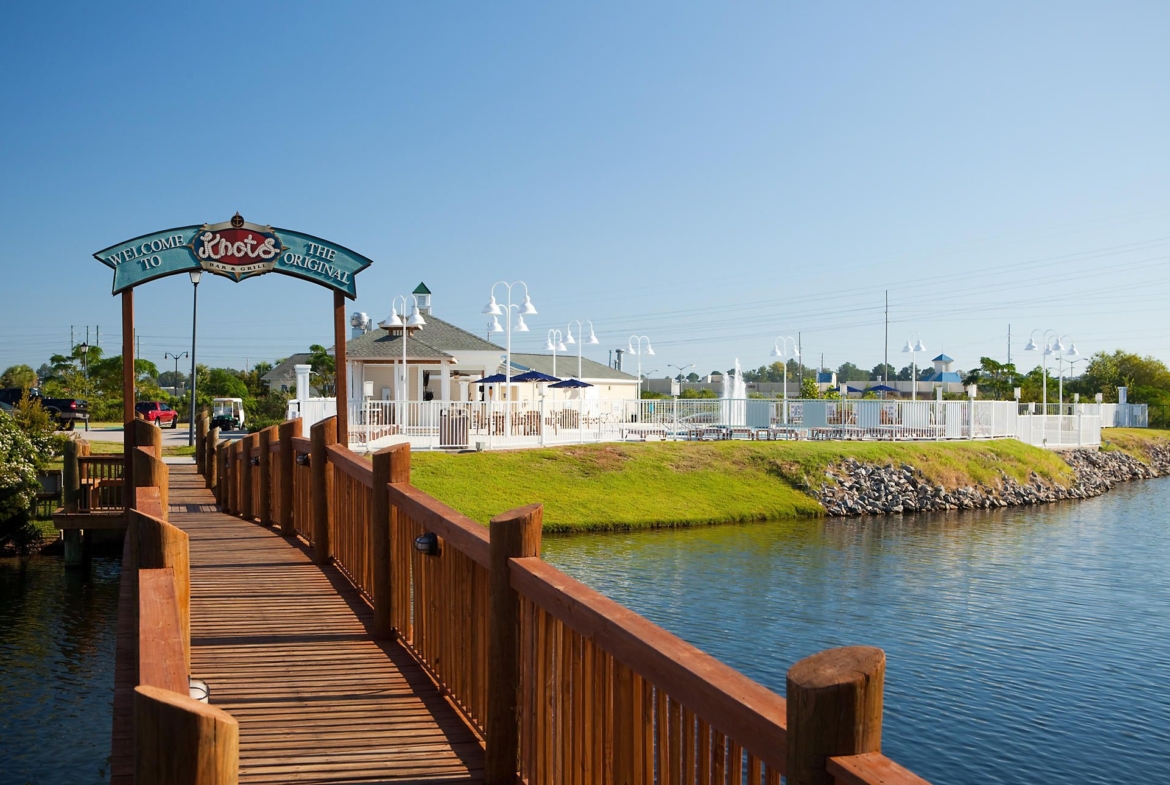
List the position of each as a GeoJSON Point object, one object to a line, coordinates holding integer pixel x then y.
{"type": "Point", "coordinates": [101, 483]}
{"type": "Point", "coordinates": [562, 683]}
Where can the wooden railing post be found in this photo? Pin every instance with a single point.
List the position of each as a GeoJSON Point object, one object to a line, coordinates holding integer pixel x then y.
{"type": "Point", "coordinates": [265, 511]}
{"type": "Point", "coordinates": [211, 462]}
{"type": "Point", "coordinates": [834, 708]}
{"type": "Point", "coordinates": [321, 435]}
{"type": "Point", "coordinates": [246, 477]}
{"type": "Point", "coordinates": [201, 443]}
{"type": "Point", "coordinates": [148, 436]}
{"type": "Point", "coordinates": [151, 472]}
{"type": "Point", "coordinates": [232, 484]}
{"type": "Point", "coordinates": [221, 461]}
{"type": "Point", "coordinates": [180, 741]}
{"type": "Point", "coordinates": [288, 431]}
{"type": "Point", "coordinates": [71, 476]}
{"type": "Point", "coordinates": [514, 535]}
{"type": "Point", "coordinates": [390, 465]}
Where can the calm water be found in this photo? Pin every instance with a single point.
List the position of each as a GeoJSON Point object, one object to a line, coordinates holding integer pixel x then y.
{"type": "Point", "coordinates": [57, 630]}
{"type": "Point", "coordinates": [1022, 646]}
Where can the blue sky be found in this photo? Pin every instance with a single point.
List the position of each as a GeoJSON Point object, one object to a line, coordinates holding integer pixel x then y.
{"type": "Point", "coordinates": [711, 176]}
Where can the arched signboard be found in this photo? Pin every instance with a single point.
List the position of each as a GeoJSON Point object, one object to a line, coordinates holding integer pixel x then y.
{"type": "Point", "coordinates": [234, 249]}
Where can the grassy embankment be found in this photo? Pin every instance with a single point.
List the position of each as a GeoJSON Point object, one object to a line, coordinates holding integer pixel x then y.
{"type": "Point", "coordinates": [630, 486]}
{"type": "Point", "coordinates": [1134, 441]}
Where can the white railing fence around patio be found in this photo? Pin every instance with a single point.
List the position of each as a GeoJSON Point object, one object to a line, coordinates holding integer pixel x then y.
{"type": "Point", "coordinates": [445, 425]}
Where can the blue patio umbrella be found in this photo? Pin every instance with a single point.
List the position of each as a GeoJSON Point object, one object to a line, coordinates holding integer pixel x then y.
{"type": "Point", "coordinates": [495, 378]}
{"type": "Point", "coordinates": [534, 376]}
{"type": "Point", "coordinates": [883, 388]}
{"type": "Point", "coordinates": [570, 384]}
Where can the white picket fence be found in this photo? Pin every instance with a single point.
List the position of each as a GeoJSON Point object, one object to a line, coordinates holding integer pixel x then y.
{"type": "Point", "coordinates": [442, 425]}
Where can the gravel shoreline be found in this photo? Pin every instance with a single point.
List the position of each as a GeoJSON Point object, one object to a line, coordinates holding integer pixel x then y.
{"type": "Point", "coordinates": [856, 488]}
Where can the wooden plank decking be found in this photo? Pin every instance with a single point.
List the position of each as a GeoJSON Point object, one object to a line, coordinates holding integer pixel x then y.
{"type": "Point", "coordinates": [287, 650]}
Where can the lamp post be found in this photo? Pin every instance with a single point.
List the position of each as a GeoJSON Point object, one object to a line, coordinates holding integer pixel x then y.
{"type": "Point", "coordinates": [1032, 347]}
{"type": "Point", "coordinates": [176, 358]}
{"type": "Point", "coordinates": [493, 309]}
{"type": "Point", "coordinates": [635, 347]}
{"type": "Point", "coordinates": [395, 321]}
{"type": "Point", "coordinates": [778, 347]}
{"type": "Point", "coordinates": [555, 344]}
{"type": "Point", "coordinates": [914, 349]}
{"type": "Point", "coordinates": [195, 276]}
{"type": "Point", "coordinates": [1070, 352]}
{"type": "Point", "coordinates": [580, 331]}
{"type": "Point", "coordinates": [84, 347]}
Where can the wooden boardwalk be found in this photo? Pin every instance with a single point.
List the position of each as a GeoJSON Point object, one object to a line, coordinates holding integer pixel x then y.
{"type": "Point", "coordinates": [286, 647]}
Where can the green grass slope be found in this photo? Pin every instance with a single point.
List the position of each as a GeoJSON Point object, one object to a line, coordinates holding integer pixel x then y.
{"type": "Point", "coordinates": [636, 485]}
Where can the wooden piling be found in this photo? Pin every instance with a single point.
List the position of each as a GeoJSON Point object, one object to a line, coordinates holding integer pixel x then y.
{"type": "Point", "coordinates": [321, 436]}
{"type": "Point", "coordinates": [71, 476]}
{"type": "Point", "coordinates": [211, 462]}
{"type": "Point", "coordinates": [391, 465]}
{"type": "Point", "coordinates": [148, 436]}
{"type": "Point", "coordinates": [264, 513]}
{"type": "Point", "coordinates": [151, 472]}
{"type": "Point", "coordinates": [248, 477]}
{"type": "Point", "coordinates": [201, 443]}
{"type": "Point", "coordinates": [514, 534]}
{"type": "Point", "coordinates": [288, 431]}
{"type": "Point", "coordinates": [834, 708]}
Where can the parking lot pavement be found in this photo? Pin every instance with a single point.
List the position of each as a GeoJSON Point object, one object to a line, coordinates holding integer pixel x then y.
{"type": "Point", "coordinates": [171, 438]}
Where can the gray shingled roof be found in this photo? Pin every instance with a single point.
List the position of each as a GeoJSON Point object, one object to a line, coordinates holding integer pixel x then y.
{"type": "Point", "coordinates": [436, 339]}
{"type": "Point", "coordinates": [283, 373]}
{"type": "Point", "coordinates": [566, 367]}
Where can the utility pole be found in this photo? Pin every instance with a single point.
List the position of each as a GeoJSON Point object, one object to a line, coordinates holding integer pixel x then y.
{"type": "Point", "coordinates": [71, 344]}
{"type": "Point", "coordinates": [886, 354]}
{"type": "Point", "coordinates": [800, 360]}
{"type": "Point", "coordinates": [98, 330]}
{"type": "Point", "coordinates": [1009, 344]}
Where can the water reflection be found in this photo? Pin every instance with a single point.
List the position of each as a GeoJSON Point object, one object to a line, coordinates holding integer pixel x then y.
{"type": "Point", "coordinates": [57, 630]}
{"type": "Point", "coordinates": [1023, 645]}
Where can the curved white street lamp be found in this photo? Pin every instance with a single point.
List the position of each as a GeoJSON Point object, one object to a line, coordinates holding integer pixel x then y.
{"type": "Point", "coordinates": [1070, 351]}
{"type": "Point", "coordinates": [1049, 349]}
{"type": "Point", "coordinates": [394, 321]}
{"type": "Point", "coordinates": [635, 347]}
{"type": "Point", "coordinates": [591, 340]}
{"type": "Point", "coordinates": [556, 343]}
{"type": "Point", "coordinates": [778, 347]}
{"type": "Point", "coordinates": [494, 310]}
{"type": "Point", "coordinates": [914, 349]}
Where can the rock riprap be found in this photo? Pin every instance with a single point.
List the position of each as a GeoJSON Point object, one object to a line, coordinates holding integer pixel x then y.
{"type": "Point", "coordinates": [855, 488]}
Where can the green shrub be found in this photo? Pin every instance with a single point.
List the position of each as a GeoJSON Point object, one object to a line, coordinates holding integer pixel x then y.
{"type": "Point", "coordinates": [18, 488]}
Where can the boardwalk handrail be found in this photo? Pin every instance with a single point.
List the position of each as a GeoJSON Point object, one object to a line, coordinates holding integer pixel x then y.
{"type": "Point", "coordinates": [584, 689]}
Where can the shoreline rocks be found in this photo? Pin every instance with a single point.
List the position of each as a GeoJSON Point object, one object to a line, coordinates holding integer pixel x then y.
{"type": "Point", "coordinates": [856, 488]}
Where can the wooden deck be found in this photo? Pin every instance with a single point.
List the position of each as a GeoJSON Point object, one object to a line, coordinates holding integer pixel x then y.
{"type": "Point", "coordinates": [286, 648]}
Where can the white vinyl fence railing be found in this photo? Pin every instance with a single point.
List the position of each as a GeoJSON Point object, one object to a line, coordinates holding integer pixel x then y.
{"type": "Point", "coordinates": [443, 425]}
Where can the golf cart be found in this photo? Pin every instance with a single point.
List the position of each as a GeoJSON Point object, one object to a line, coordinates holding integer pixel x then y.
{"type": "Point", "coordinates": [227, 414]}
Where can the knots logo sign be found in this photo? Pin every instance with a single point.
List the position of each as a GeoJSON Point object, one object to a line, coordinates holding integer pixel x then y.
{"type": "Point", "coordinates": [236, 248]}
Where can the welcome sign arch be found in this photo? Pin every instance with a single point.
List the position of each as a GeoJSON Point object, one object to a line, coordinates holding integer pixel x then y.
{"type": "Point", "coordinates": [237, 250]}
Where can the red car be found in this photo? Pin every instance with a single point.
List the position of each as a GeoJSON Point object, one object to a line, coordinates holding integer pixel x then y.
{"type": "Point", "coordinates": [158, 413]}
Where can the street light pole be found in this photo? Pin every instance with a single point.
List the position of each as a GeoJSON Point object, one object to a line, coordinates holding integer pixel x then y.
{"type": "Point", "coordinates": [635, 347]}
{"type": "Point", "coordinates": [1072, 352]}
{"type": "Point", "coordinates": [580, 331]}
{"type": "Point", "coordinates": [1032, 346]}
{"type": "Point", "coordinates": [195, 276]}
{"type": "Point", "coordinates": [176, 358]}
{"type": "Point", "coordinates": [778, 347]}
{"type": "Point", "coordinates": [493, 309]}
{"type": "Point", "coordinates": [389, 323]}
{"type": "Point", "coordinates": [914, 349]}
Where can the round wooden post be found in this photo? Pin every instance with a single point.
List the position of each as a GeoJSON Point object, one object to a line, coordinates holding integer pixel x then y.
{"type": "Point", "coordinates": [248, 477]}
{"type": "Point", "coordinates": [834, 708]}
{"type": "Point", "coordinates": [148, 436]}
{"type": "Point", "coordinates": [265, 511]}
{"type": "Point", "coordinates": [151, 472]}
{"type": "Point", "coordinates": [221, 468]}
{"type": "Point", "coordinates": [321, 436]}
{"type": "Point", "coordinates": [180, 741]}
{"type": "Point", "coordinates": [211, 445]}
{"type": "Point", "coordinates": [71, 476]}
{"type": "Point", "coordinates": [201, 443]}
{"type": "Point", "coordinates": [288, 431]}
{"type": "Point", "coordinates": [514, 535]}
{"type": "Point", "coordinates": [391, 465]}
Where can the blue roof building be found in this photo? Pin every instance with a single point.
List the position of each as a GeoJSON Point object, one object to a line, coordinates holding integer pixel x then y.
{"type": "Point", "coordinates": [942, 373]}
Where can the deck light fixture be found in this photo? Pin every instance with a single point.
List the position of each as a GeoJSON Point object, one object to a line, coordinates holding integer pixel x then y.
{"type": "Point", "coordinates": [427, 544]}
{"type": "Point", "coordinates": [303, 459]}
{"type": "Point", "coordinates": [254, 461]}
{"type": "Point", "coordinates": [199, 690]}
